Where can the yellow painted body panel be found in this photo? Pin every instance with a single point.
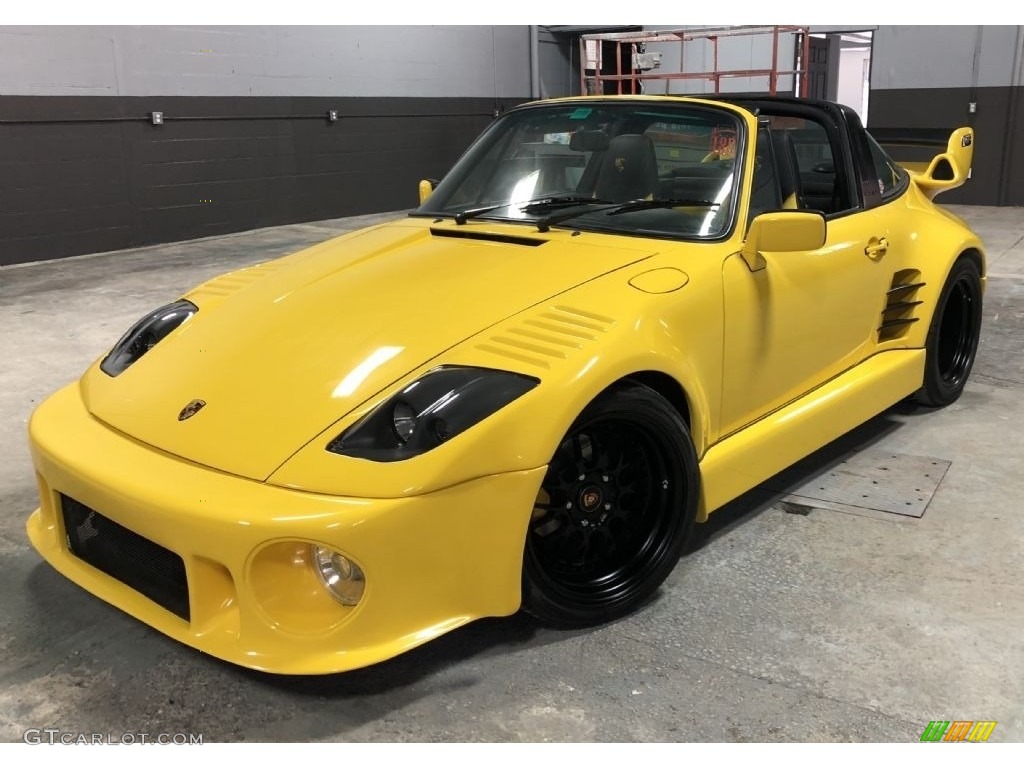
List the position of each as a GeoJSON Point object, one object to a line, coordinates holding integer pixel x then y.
{"type": "Point", "coordinates": [773, 362]}
{"type": "Point", "coordinates": [752, 455]}
{"type": "Point", "coordinates": [946, 170]}
{"type": "Point", "coordinates": [949, 169]}
{"type": "Point", "coordinates": [327, 330]}
{"type": "Point", "coordinates": [803, 319]}
{"type": "Point", "coordinates": [431, 564]}
{"type": "Point", "coordinates": [663, 280]}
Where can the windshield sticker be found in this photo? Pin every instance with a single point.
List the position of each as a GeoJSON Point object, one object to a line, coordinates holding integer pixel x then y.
{"type": "Point", "coordinates": [580, 114]}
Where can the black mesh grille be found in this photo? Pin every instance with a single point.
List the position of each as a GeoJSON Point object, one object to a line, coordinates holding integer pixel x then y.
{"type": "Point", "coordinates": [146, 567]}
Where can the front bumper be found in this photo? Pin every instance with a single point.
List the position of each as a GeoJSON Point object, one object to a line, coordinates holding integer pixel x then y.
{"type": "Point", "coordinates": [432, 562]}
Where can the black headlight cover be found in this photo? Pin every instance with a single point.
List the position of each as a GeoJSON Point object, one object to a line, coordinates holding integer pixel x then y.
{"type": "Point", "coordinates": [145, 334]}
{"type": "Point", "coordinates": [446, 402]}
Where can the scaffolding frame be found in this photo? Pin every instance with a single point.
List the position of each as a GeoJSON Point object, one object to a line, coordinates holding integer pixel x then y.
{"type": "Point", "coordinates": [690, 35]}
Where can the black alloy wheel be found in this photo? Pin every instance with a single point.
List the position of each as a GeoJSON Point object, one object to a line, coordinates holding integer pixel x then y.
{"type": "Point", "coordinates": [615, 510]}
{"type": "Point", "coordinates": [952, 343]}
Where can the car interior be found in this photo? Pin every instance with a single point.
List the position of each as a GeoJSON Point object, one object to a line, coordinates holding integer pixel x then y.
{"type": "Point", "coordinates": [628, 167]}
{"type": "Point", "coordinates": [657, 159]}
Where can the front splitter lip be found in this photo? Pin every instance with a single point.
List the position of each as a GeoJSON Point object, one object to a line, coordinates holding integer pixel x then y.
{"type": "Point", "coordinates": [432, 562]}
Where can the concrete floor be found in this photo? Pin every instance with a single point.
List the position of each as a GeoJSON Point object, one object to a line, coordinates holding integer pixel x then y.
{"type": "Point", "coordinates": [818, 627]}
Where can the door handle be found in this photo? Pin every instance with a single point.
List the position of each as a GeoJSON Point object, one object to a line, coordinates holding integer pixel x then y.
{"type": "Point", "coordinates": [876, 248]}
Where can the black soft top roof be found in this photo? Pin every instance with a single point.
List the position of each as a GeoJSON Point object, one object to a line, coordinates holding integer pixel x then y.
{"type": "Point", "coordinates": [756, 102]}
{"type": "Point", "coordinates": [743, 99]}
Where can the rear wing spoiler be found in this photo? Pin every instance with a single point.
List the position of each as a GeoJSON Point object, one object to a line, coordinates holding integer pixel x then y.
{"type": "Point", "coordinates": [915, 149]}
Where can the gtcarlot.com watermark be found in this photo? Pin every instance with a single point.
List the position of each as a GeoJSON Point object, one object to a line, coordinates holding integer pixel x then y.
{"type": "Point", "coordinates": [57, 736]}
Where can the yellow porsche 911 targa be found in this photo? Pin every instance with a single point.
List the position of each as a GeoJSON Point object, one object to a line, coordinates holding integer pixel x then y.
{"type": "Point", "coordinates": [611, 317]}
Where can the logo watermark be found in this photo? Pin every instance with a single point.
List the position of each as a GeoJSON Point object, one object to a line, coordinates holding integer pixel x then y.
{"type": "Point", "coordinates": [958, 730]}
{"type": "Point", "coordinates": [57, 736]}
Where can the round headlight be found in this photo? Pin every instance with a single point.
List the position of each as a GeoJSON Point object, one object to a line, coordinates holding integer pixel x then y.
{"type": "Point", "coordinates": [343, 578]}
{"type": "Point", "coordinates": [403, 419]}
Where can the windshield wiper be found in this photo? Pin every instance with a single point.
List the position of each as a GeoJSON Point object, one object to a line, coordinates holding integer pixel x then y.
{"type": "Point", "coordinates": [558, 201]}
{"type": "Point", "coordinates": [576, 209]}
{"type": "Point", "coordinates": [614, 209]}
{"type": "Point", "coordinates": [471, 213]}
{"type": "Point", "coordinates": [671, 202]}
{"type": "Point", "coordinates": [583, 203]}
{"type": "Point", "coordinates": [530, 206]}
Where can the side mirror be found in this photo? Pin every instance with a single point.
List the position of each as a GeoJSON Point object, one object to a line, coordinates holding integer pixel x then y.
{"type": "Point", "coordinates": [426, 187]}
{"type": "Point", "coordinates": [782, 231]}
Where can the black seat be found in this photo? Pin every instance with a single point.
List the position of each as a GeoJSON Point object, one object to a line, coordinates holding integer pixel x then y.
{"type": "Point", "coordinates": [788, 169]}
{"type": "Point", "coordinates": [629, 169]}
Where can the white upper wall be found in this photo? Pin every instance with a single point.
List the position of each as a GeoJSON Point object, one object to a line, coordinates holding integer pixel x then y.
{"type": "Point", "coordinates": [902, 57]}
{"type": "Point", "coordinates": [467, 61]}
{"type": "Point", "coordinates": [943, 57]}
{"type": "Point", "coordinates": [435, 61]}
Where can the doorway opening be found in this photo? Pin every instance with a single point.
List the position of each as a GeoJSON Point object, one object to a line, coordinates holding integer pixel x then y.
{"type": "Point", "coordinates": [839, 69]}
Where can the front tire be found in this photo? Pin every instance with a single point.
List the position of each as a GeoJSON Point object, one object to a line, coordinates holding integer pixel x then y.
{"type": "Point", "coordinates": [615, 510]}
{"type": "Point", "coordinates": [953, 336]}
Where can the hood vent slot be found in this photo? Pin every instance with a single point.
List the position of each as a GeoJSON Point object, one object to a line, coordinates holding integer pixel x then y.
{"type": "Point", "coordinates": [492, 237]}
{"type": "Point", "coordinates": [232, 282]}
{"type": "Point", "coordinates": [901, 305]}
{"type": "Point", "coordinates": [547, 336]}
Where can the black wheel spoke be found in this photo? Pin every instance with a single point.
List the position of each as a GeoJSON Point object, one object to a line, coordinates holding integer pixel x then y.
{"type": "Point", "coordinates": [577, 450]}
{"type": "Point", "coordinates": [605, 520]}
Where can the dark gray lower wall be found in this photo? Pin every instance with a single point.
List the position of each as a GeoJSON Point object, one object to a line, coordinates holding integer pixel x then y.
{"type": "Point", "coordinates": [997, 177]}
{"type": "Point", "coordinates": [85, 174]}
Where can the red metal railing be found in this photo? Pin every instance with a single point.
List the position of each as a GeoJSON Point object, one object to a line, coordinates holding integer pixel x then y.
{"type": "Point", "coordinates": [713, 35]}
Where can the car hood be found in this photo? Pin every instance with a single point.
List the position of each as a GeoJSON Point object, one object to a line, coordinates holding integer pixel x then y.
{"type": "Point", "coordinates": [279, 353]}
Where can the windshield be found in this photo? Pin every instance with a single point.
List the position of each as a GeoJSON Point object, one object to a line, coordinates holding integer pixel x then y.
{"type": "Point", "coordinates": [576, 164]}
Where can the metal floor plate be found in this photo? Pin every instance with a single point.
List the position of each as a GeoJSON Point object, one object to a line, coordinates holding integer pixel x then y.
{"type": "Point", "coordinates": [862, 482]}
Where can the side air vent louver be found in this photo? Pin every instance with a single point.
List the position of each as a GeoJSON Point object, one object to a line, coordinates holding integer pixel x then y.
{"type": "Point", "coordinates": [901, 305]}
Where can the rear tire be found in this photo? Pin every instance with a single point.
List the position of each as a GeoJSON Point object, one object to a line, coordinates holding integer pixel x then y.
{"type": "Point", "coordinates": [615, 510]}
{"type": "Point", "coordinates": [952, 343]}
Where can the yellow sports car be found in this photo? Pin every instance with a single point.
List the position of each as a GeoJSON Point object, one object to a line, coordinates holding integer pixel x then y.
{"type": "Point", "coordinates": [610, 318]}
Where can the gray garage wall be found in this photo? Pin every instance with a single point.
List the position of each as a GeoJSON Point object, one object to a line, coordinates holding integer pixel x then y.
{"type": "Point", "coordinates": [559, 65]}
{"type": "Point", "coordinates": [246, 141]}
{"type": "Point", "coordinates": [369, 61]}
{"type": "Point", "coordinates": [943, 57]}
{"type": "Point", "coordinates": [927, 76]}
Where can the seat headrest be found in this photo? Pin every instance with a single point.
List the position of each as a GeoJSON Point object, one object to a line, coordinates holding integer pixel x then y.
{"type": "Point", "coordinates": [629, 169]}
{"type": "Point", "coordinates": [588, 141]}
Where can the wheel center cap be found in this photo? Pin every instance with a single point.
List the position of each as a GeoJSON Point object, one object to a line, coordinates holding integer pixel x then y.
{"type": "Point", "coordinates": [590, 498]}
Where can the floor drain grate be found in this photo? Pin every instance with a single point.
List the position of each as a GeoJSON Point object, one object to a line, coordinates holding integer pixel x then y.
{"type": "Point", "coordinates": [864, 482]}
